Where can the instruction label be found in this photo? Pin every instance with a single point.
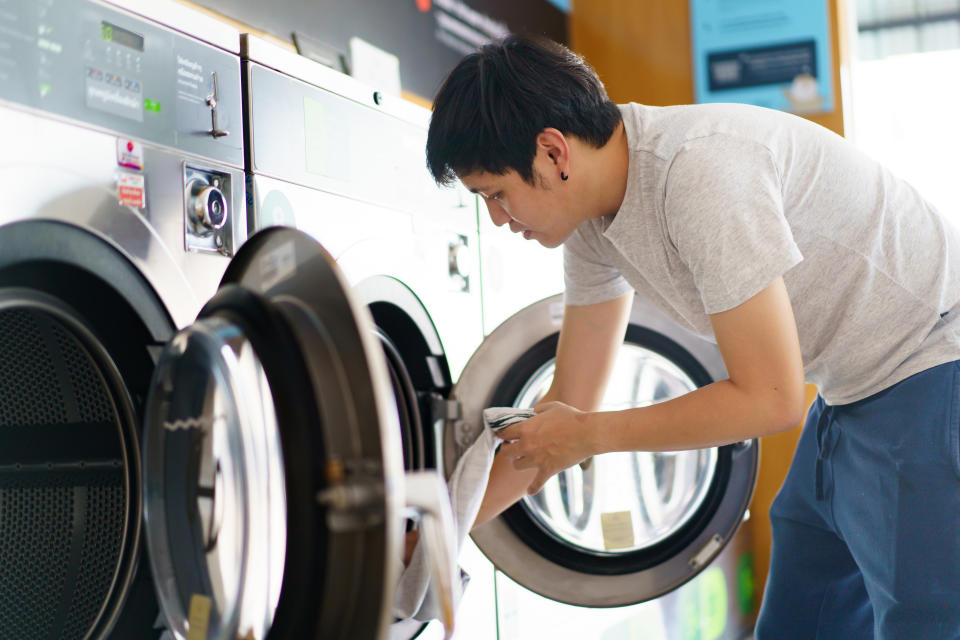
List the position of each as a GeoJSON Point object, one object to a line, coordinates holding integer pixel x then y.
{"type": "Point", "coordinates": [617, 529]}
{"type": "Point", "coordinates": [199, 618]}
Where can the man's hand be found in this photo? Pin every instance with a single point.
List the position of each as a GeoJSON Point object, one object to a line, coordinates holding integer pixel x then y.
{"type": "Point", "coordinates": [409, 544]}
{"type": "Point", "coordinates": [551, 441]}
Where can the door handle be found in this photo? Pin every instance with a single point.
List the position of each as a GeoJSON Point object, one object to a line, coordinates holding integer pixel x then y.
{"type": "Point", "coordinates": [212, 100]}
{"type": "Point", "coordinates": [427, 500]}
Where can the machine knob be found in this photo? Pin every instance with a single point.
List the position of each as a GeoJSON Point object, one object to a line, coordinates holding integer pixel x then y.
{"type": "Point", "coordinates": [212, 100]}
{"type": "Point", "coordinates": [207, 207]}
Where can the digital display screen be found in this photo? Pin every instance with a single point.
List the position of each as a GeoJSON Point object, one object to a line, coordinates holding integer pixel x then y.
{"type": "Point", "coordinates": [113, 33]}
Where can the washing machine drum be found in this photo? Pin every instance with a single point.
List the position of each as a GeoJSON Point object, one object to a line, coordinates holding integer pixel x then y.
{"type": "Point", "coordinates": [69, 503]}
{"type": "Point", "coordinates": [272, 458]}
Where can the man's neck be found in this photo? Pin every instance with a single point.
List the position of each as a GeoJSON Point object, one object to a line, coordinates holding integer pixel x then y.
{"type": "Point", "coordinates": [606, 175]}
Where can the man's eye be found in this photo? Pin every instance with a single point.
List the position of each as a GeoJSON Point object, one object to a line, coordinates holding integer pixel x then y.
{"type": "Point", "coordinates": [497, 195]}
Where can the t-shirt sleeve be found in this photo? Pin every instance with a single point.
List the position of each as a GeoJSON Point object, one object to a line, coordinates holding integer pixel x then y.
{"type": "Point", "coordinates": [588, 276]}
{"type": "Point", "coordinates": [724, 215]}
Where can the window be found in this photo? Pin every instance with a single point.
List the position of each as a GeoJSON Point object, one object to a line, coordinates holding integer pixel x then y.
{"type": "Point", "coordinates": [905, 94]}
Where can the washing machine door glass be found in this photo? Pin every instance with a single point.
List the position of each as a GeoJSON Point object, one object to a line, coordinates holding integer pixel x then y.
{"type": "Point", "coordinates": [661, 492]}
{"type": "Point", "coordinates": [270, 457]}
{"type": "Point", "coordinates": [218, 487]}
{"type": "Point", "coordinates": [619, 528]}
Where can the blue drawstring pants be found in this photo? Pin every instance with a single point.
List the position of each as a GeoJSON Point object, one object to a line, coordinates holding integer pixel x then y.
{"type": "Point", "coordinates": [866, 528]}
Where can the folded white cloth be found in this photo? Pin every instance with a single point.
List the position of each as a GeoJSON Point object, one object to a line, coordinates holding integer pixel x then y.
{"type": "Point", "coordinates": [466, 485]}
{"type": "Point", "coordinates": [499, 418]}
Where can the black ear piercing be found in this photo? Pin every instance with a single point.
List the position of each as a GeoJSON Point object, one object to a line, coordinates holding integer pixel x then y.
{"type": "Point", "coordinates": [563, 176]}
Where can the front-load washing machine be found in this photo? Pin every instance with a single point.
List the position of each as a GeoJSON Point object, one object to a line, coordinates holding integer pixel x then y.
{"type": "Point", "coordinates": [345, 163]}
{"type": "Point", "coordinates": [660, 360]}
{"type": "Point", "coordinates": [188, 417]}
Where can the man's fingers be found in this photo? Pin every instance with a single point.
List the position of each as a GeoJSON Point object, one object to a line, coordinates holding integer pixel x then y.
{"type": "Point", "coordinates": [410, 543]}
{"type": "Point", "coordinates": [537, 484]}
{"type": "Point", "coordinates": [510, 449]}
{"type": "Point", "coordinates": [510, 433]}
{"type": "Point", "coordinates": [522, 463]}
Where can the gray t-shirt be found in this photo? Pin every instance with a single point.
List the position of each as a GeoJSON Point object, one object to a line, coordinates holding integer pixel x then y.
{"type": "Point", "coordinates": [722, 199]}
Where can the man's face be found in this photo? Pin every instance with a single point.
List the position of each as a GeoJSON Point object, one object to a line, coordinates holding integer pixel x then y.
{"type": "Point", "coordinates": [535, 210]}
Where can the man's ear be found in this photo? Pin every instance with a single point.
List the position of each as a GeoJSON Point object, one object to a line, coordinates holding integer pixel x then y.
{"type": "Point", "coordinates": [555, 146]}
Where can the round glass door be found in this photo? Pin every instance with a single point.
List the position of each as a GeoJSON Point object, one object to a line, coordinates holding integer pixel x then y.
{"type": "Point", "coordinates": [272, 462]}
{"type": "Point", "coordinates": [656, 493]}
{"type": "Point", "coordinates": [215, 494]}
{"type": "Point", "coordinates": [619, 528]}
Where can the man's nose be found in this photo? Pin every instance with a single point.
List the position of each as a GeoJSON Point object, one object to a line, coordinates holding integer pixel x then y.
{"type": "Point", "coordinates": [498, 215]}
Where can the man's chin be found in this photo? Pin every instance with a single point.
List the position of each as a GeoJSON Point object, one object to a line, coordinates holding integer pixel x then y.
{"type": "Point", "coordinates": [548, 243]}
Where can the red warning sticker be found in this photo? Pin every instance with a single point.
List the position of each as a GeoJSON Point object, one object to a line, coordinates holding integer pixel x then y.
{"type": "Point", "coordinates": [131, 190]}
{"type": "Point", "coordinates": [129, 154]}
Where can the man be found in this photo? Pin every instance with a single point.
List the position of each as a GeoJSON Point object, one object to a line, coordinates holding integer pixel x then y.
{"type": "Point", "coordinates": [804, 259]}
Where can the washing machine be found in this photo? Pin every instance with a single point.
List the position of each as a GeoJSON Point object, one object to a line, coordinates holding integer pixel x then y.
{"type": "Point", "coordinates": [543, 543]}
{"type": "Point", "coordinates": [197, 431]}
{"type": "Point", "coordinates": [345, 163]}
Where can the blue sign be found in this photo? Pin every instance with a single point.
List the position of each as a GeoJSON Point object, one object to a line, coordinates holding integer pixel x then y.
{"type": "Point", "coordinates": [772, 54]}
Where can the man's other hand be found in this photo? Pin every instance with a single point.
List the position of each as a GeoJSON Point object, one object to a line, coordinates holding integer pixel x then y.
{"type": "Point", "coordinates": [551, 441]}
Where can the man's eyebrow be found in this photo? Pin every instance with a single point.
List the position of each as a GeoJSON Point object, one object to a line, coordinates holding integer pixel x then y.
{"type": "Point", "coordinates": [476, 191]}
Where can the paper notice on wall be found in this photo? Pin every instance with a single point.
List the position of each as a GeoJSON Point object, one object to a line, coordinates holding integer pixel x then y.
{"type": "Point", "coordinates": [770, 54]}
{"type": "Point", "coordinates": [373, 66]}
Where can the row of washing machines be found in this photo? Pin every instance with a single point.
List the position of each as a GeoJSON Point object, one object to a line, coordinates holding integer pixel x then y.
{"type": "Point", "coordinates": [233, 306]}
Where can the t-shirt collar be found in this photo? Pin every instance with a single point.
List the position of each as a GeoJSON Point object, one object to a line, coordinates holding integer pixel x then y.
{"type": "Point", "coordinates": [631, 201]}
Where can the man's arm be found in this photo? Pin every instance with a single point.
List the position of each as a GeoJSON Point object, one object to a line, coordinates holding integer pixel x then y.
{"type": "Point", "coordinates": [763, 395]}
{"type": "Point", "coordinates": [589, 339]}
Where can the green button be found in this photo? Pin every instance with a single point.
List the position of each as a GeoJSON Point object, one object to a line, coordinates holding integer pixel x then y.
{"type": "Point", "coordinates": [151, 105]}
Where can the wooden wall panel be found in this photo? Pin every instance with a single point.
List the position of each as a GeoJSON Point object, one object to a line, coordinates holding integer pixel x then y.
{"type": "Point", "coordinates": [640, 48]}
{"type": "Point", "coordinates": [642, 51]}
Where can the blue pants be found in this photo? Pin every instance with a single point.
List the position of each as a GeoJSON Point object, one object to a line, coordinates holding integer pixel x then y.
{"type": "Point", "coordinates": [866, 528]}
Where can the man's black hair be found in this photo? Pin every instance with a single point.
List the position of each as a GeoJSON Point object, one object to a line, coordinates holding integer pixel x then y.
{"type": "Point", "coordinates": [492, 106]}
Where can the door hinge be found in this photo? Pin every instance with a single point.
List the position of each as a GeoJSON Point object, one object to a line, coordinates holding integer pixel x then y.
{"type": "Point", "coordinates": [444, 408]}
{"type": "Point", "coordinates": [355, 498]}
{"type": "Point", "coordinates": [451, 411]}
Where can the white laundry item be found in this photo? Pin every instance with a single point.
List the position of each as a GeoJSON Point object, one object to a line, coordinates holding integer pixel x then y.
{"type": "Point", "coordinates": [466, 485]}
{"type": "Point", "coordinates": [405, 629]}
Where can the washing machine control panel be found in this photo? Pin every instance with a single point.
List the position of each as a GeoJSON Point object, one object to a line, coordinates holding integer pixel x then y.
{"type": "Point", "coordinates": [117, 71]}
{"type": "Point", "coordinates": [312, 136]}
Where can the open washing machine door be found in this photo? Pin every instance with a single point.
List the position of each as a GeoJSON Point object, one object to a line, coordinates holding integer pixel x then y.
{"type": "Point", "coordinates": [627, 527]}
{"type": "Point", "coordinates": [274, 489]}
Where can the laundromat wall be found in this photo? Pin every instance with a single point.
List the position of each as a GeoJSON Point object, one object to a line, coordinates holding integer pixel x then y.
{"type": "Point", "coordinates": [643, 53]}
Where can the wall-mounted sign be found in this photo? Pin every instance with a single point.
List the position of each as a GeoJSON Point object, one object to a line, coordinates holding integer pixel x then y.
{"type": "Point", "coordinates": [772, 54]}
{"type": "Point", "coordinates": [428, 37]}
